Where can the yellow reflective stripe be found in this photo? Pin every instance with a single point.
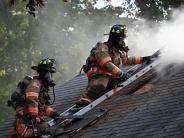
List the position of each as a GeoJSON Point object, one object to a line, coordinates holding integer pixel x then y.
{"type": "Point", "coordinates": [33, 110]}
{"type": "Point", "coordinates": [113, 31]}
{"type": "Point", "coordinates": [44, 62]}
{"type": "Point", "coordinates": [137, 60]}
{"type": "Point", "coordinates": [86, 99]}
{"type": "Point", "coordinates": [32, 94]}
{"type": "Point", "coordinates": [48, 110]}
{"type": "Point", "coordinates": [117, 31]}
{"type": "Point", "coordinates": [104, 61]}
{"type": "Point", "coordinates": [114, 90]}
{"type": "Point", "coordinates": [125, 30]}
{"type": "Point", "coordinates": [116, 71]}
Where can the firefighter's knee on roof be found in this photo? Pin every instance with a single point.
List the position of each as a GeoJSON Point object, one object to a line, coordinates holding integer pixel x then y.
{"type": "Point", "coordinates": [95, 91]}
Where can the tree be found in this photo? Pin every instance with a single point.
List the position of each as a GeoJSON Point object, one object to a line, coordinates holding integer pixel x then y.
{"type": "Point", "coordinates": [16, 49]}
{"type": "Point", "coordinates": [157, 9]}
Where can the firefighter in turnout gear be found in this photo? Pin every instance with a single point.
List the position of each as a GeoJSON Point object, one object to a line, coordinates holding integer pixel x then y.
{"type": "Point", "coordinates": [102, 65]}
{"type": "Point", "coordinates": [30, 120]}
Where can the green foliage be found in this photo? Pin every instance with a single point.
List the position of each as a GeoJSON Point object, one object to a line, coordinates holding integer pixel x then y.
{"type": "Point", "coordinates": [15, 49]}
{"type": "Point", "coordinates": [157, 10]}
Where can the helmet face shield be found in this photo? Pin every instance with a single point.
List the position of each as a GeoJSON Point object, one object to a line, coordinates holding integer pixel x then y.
{"type": "Point", "coordinates": [49, 79]}
{"type": "Point", "coordinates": [120, 43]}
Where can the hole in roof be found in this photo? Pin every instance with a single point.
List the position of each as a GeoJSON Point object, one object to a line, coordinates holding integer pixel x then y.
{"type": "Point", "coordinates": [145, 88]}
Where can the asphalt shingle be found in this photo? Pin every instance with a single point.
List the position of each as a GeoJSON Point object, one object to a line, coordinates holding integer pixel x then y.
{"type": "Point", "coordinates": [154, 111]}
{"type": "Point", "coordinates": [154, 114]}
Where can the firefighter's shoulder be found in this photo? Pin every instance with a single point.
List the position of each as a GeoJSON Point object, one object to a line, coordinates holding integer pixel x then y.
{"type": "Point", "coordinates": [101, 47]}
{"type": "Point", "coordinates": [35, 82]}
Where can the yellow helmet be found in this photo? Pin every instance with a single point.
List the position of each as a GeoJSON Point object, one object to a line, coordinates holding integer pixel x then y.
{"type": "Point", "coordinates": [46, 65]}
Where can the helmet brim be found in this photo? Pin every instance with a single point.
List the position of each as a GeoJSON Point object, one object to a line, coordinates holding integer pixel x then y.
{"type": "Point", "coordinates": [34, 67]}
{"type": "Point", "coordinates": [116, 35]}
{"type": "Point", "coordinates": [43, 69]}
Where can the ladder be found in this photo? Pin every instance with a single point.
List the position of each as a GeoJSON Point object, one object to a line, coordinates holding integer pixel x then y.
{"type": "Point", "coordinates": [135, 73]}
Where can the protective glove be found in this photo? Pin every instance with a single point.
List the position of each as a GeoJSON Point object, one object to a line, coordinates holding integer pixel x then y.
{"type": "Point", "coordinates": [124, 76]}
{"type": "Point", "coordinates": [55, 116]}
{"type": "Point", "coordinates": [146, 59]}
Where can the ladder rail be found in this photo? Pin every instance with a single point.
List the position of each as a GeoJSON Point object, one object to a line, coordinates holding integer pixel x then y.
{"type": "Point", "coordinates": [65, 113]}
{"type": "Point", "coordinates": [51, 122]}
{"type": "Point", "coordinates": [112, 92]}
{"type": "Point", "coordinates": [108, 94]}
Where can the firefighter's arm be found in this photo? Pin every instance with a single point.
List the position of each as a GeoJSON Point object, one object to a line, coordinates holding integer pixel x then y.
{"type": "Point", "coordinates": [49, 111]}
{"type": "Point", "coordinates": [132, 60]}
{"type": "Point", "coordinates": [105, 62]}
{"type": "Point", "coordinates": [32, 94]}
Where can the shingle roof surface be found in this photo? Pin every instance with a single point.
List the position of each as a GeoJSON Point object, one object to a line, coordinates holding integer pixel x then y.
{"type": "Point", "coordinates": [155, 111]}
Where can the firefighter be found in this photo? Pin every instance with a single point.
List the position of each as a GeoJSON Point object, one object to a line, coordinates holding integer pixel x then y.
{"type": "Point", "coordinates": [30, 120]}
{"type": "Point", "coordinates": [102, 65]}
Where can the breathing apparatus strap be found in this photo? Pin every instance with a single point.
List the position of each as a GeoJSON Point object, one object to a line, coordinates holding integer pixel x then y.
{"type": "Point", "coordinates": [80, 72]}
{"type": "Point", "coordinates": [53, 96]}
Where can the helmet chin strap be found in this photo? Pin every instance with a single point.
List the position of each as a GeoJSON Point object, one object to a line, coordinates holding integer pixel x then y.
{"type": "Point", "coordinates": [123, 48]}
{"type": "Point", "coordinates": [53, 96]}
{"type": "Point", "coordinates": [48, 82]}
{"type": "Point", "coordinates": [48, 79]}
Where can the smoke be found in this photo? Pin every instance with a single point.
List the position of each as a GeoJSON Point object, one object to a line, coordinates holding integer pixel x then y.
{"type": "Point", "coordinates": [68, 36]}
{"type": "Point", "coordinates": [167, 35]}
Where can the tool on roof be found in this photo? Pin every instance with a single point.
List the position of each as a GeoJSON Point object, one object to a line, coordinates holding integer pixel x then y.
{"type": "Point", "coordinates": [78, 124]}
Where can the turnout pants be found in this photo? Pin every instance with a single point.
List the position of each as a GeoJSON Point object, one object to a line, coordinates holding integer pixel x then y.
{"type": "Point", "coordinates": [96, 88]}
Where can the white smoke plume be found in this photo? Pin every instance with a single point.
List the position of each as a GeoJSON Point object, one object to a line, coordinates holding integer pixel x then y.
{"type": "Point", "coordinates": [167, 35]}
{"type": "Point", "coordinates": [148, 38]}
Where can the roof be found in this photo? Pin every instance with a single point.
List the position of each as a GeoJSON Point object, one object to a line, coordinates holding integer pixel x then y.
{"type": "Point", "coordinates": [154, 110]}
